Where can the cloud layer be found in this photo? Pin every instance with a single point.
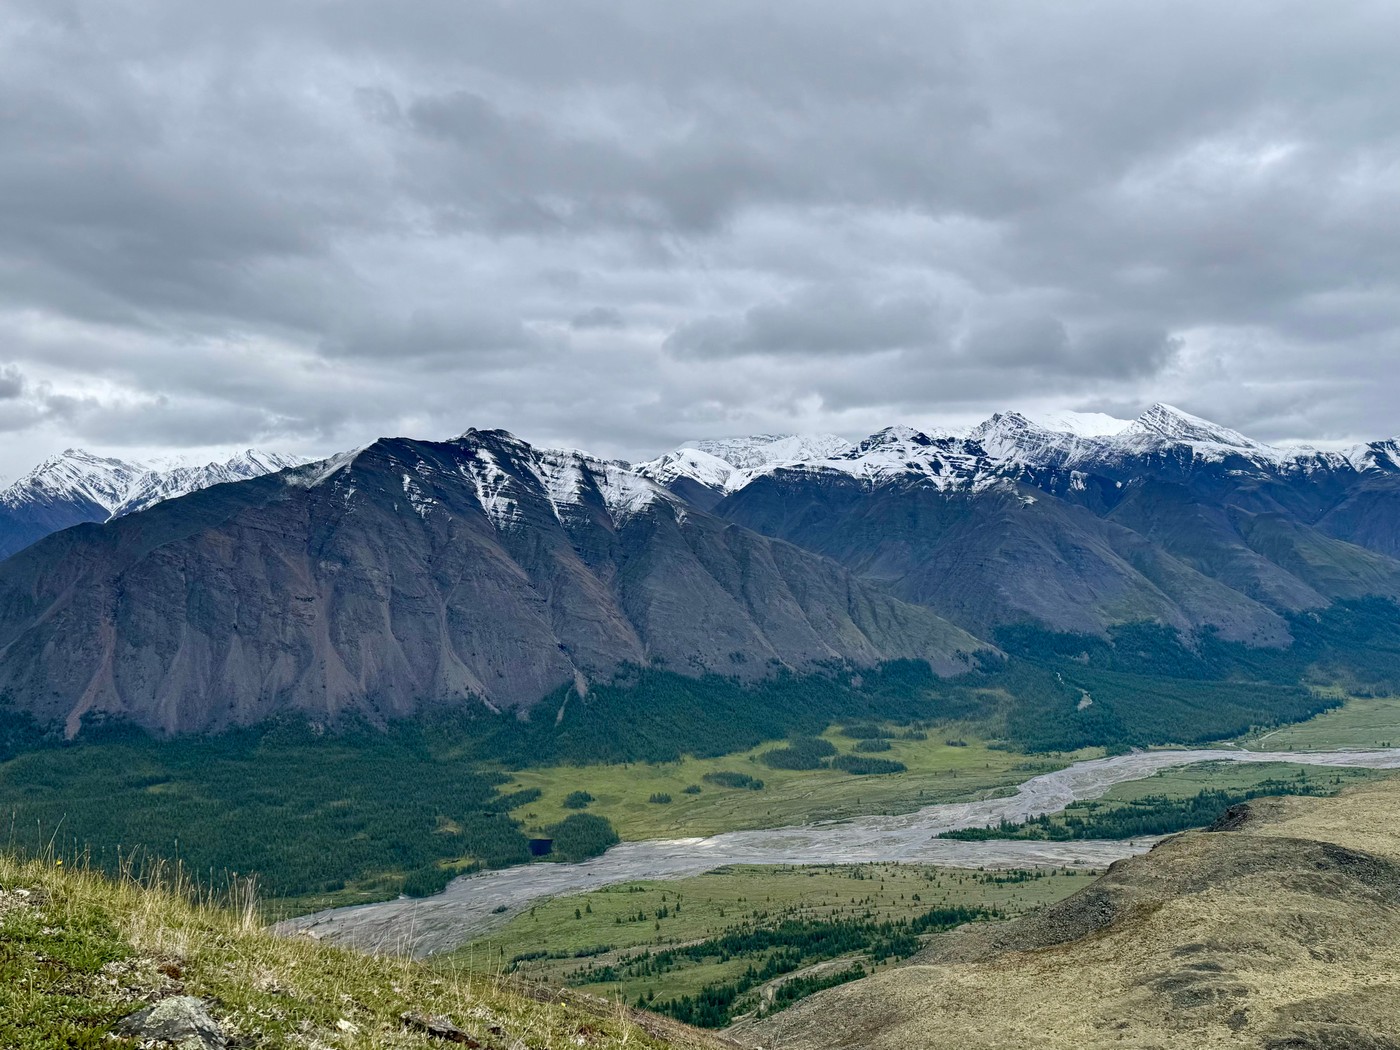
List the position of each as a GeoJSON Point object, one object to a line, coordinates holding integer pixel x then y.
{"type": "Point", "coordinates": [618, 225]}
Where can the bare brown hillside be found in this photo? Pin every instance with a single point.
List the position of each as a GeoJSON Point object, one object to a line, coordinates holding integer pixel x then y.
{"type": "Point", "coordinates": [1279, 930]}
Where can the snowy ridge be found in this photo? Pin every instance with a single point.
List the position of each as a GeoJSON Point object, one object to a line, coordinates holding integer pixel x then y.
{"type": "Point", "coordinates": [762, 450]}
{"type": "Point", "coordinates": [155, 486]}
{"type": "Point", "coordinates": [110, 488]}
{"type": "Point", "coordinates": [75, 476]}
{"type": "Point", "coordinates": [1006, 447]}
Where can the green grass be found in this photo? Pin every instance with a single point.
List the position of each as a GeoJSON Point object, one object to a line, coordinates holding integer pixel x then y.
{"type": "Point", "coordinates": [1361, 722]}
{"type": "Point", "coordinates": [551, 944]}
{"type": "Point", "coordinates": [78, 952]}
{"type": "Point", "coordinates": [1185, 781]}
{"type": "Point", "coordinates": [936, 773]}
{"type": "Point", "coordinates": [1174, 800]}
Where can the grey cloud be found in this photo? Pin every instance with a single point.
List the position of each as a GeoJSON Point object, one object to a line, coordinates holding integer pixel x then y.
{"type": "Point", "coordinates": [598, 317]}
{"type": "Point", "coordinates": [819, 321]}
{"type": "Point", "coordinates": [12, 383]}
{"type": "Point", "coordinates": [313, 223]}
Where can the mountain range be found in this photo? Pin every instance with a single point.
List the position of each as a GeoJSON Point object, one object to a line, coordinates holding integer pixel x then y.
{"type": "Point", "coordinates": [77, 486]}
{"type": "Point", "coordinates": [408, 572]}
{"type": "Point", "coordinates": [413, 572]}
{"type": "Point", "coordinates": [1075, 525]}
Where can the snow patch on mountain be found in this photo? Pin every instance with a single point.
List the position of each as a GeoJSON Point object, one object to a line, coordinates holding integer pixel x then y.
{"type": "Point", "coordinates": [1081, 424]}
{"type": "Point", "coordinates": [693, 463]}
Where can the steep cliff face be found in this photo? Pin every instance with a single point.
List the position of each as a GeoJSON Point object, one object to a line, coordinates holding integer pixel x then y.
{"type": "Point", "coordinates": [413, 572]}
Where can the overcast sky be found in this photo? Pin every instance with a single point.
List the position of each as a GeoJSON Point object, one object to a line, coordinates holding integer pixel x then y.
{"type": "Point", "coordinates": [617, 225]}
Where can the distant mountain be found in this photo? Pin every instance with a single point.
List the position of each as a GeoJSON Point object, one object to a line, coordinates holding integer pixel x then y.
{"type": "Point", "coordinates": [77, 486]}
{"type": "Point", "coordinates": [417, 572]}
{"type": "Point", "coordinates": [1078, 521]}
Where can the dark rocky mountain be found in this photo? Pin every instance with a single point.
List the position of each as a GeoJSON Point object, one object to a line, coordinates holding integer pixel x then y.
{"type": "Point", "coordinates": [1169, 518]}
{"type": "Point", "coordinates": [414, 572]}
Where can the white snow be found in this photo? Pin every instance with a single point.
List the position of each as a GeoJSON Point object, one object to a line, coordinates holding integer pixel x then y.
{"type": "Point", "coordinates": [1173, 424]}
{"type": "Point", "coordinates": [120, 487]}
{"type": "Point", "coordinates": [491, 484]}
{"type": "Point", "coordinates": [761, 450]}
{"type": "Point", "coordinates": [1081, 424]}
{"type": "Point", "coordinates": [417, 500]}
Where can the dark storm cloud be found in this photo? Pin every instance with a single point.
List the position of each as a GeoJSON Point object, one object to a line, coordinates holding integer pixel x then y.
{"type": "Point", "coordinates": [621, 224]}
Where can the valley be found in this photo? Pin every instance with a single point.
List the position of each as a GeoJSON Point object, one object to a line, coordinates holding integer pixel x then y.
{"type": "Point", "coordinates": [476, 904]}
{"type": "Point", "coordinates": [622, 940]}
{"type": "Point", "coordinates": [698, 802]}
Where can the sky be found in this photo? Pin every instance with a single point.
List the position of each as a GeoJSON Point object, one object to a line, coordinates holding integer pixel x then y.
{"type": "Point", "coordinates": [620, 225]}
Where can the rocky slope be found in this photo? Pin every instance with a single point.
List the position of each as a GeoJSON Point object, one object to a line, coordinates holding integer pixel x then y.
{"type": "Point", "coordinates": [413, 572]}
{"type": "Point", "coordinates": [1279, 931]}
{"type": "Point", "coordinates": [1075, 523]}
{"type": "Point", "coordinates": [77, 487]}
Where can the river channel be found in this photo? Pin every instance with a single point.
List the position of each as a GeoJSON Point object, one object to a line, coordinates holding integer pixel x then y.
{"type": "Point", "coordinates": [476, 904]}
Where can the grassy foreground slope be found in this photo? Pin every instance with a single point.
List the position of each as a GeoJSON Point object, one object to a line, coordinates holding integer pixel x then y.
{"type": "Point", "coordinates": [79, 952]}
{"type": "Point", "coordinates": [1279, 930]}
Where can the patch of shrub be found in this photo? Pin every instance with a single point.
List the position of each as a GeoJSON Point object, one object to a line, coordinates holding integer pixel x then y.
{"type": "Point", "coordinates": [725, 778]}
{"type": "Point", "coordinates": [581, 836]}
{"type": "Point", "coordinates": [862, 767]}
{"type": "Point", "coordinates": [805, 752]}
{"type": "Point", "coordinates": [660, 798]}
{"type": "Point", "coordinates": [577, 800]}
{"type": "Point", "coordinates": [879, 744]}
{"type": "Point", "coordinates": [426, 881]}
{"type": "Point", "coordinates": [692, 789]}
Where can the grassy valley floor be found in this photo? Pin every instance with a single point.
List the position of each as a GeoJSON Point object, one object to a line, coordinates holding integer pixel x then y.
{"type": "Point", "coordinates": [936, 771]}
{"type": "Point", "coordinates": [646, 942]}
{"type": "Point", "coordinates": [1361, 722]}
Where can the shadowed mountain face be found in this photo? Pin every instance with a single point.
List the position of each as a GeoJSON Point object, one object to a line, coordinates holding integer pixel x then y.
{"type": "Point", "coordinates": [1173, 519]}
{"type": "Point", "coordinates": [412, 572]}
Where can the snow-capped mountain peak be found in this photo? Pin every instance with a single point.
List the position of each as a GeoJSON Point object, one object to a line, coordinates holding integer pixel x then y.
{"type": "Point", "coordinates": [76, 476]}
{"type": "Point", "coordinates": [96, 483]}
{"type": "Point", "coordinates": [1168, 423]}
{"type": "Point", "coordinates": [156, 485]}
{"type": "Point", "coordinates": [895, 436]}
{"type": "Point", "coordinates": [1081, 424]}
